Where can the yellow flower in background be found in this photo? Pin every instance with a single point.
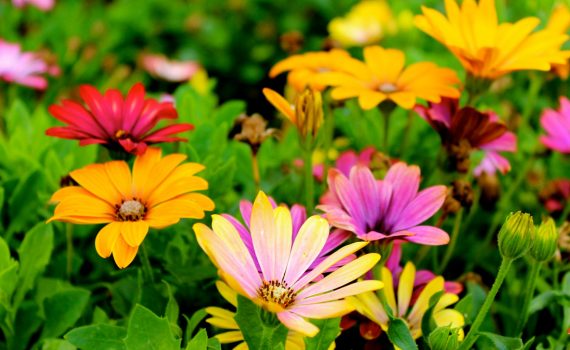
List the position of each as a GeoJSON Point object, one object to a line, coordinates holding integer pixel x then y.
{"type": "Point", "coordinates": [304, 68]}
{"type": "Point", "coordinates": [382, 77]}
{"type": "Point", "coordinates": [369, 304]}
{"type": "Point", "coordinates": [158, 193]}
{"type": "Point", "coordinates": [224, 319]}
{"type": "Point", "coordinates": [365, 24]}
{"type": "Point", "coordinates": [488, 49]}
{"type": "Point", "coordinates": [559, 22]}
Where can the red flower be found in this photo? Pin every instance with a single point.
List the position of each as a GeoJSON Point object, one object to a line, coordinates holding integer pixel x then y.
{"type": "Point", "coordinates": [119, 123]}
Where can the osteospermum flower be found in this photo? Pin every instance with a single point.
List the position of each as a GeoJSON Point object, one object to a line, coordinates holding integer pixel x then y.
{"type": "Point", "coordinates": [556, 123]}
{"type": "Point", "coordinates": [119, 123]}
{"type": "Point", "coordinates": [225, 319]}
{"type": "Point", "coordinates": [382, 77]}
{"type": "Point", "coordinates": [488, 49]}
{"type": "Point", "coordinates": [169, 70]}
{"type": "Point", "coordinates": [400, 301]}
{"type": "Point", "coordinates": [24, 68]}
{"type": "Point", "coordinates": [284, 286]}
{"type": "Point", "coordinates": [365, 24]}
{"type": "Point", "coordinates": [346, 161]}
{"type": "Point", "coordinates": [158, 193]}
{"type": "Point", "coordinates": [464, 130]}
{"type": "Point", "coordinates": [559, 22]}
{"type": "Point", "coordinates": [304, 68]}
{"type": "Point", "coordinates": [44, 5]}
{"type": "Point", "coordinates": [391, 208]}
{"type": "Point", "coordinates": [298, 217]}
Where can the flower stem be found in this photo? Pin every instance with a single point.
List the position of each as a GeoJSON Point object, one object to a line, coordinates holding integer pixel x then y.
{"type": "Point", "coordinates": [328, 139]}
{"type": "Point", "coordinates": [472, 336]}
{"type": "Point", "coordinates": [308, 180]}
{"type": "Point", "coordinates": [529, 292]}
{"type": "Point", "coordinates": [407, 130]}
{"type": "Point", "coordinates": [69, 238]}
{"type": "Point", "coordinates": [452, 241]}
{"type": "Point", "coordinates": [147, 268]}
{"type": "Point", "coordinates": [255, 170]}
{"type": "Point", "coordinates": [385, 144]}
{"type": "Point", "coordinates": [565, 213]}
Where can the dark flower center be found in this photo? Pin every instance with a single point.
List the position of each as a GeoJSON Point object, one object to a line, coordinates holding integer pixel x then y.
{"type": "Point", "coordinates": [277, 292]}
{"type": "Point", "coordinates": [130, 210]}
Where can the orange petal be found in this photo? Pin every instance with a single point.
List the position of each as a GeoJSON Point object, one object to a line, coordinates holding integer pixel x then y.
{"type": "Point", "coordinates": [120, 175]}
{"type": "Point", "coordinates": [123, 254]}
{"type": "Point", "coordinates": [94, 179]}
{"type": "Point", "coordinates": [134, 232]}
{"type": "Point", "coordinates": [281, 104]}
{"type": "Point", "coordinates": [106, 238]}
{"type": "Point", "coordinates": [143, 167]}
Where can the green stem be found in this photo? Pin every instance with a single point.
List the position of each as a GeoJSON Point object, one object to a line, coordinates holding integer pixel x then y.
{"type": "Point", "coordinates": [529, 292]}
{"type": "Point", "coordinates": [472, 336]}
{"type": "Point", "coordinates": [308, 174]}
{"type": "Point", "coordinates": [255, 170]}
{"type": "Point", "coordinates": [69, 238]}
{"type": "Point", "coordinates": [329, 136]}
{"type": "Point", "coordinates": [407, 130]}
{"type": "Point", "coordinates": [147, 268]}
{"type": "Point", "coordinates": [452, 241]}
{"type": "Point", "coordinates": [385, 144]}
{"type": "Point", "coordinates": [533, 90]}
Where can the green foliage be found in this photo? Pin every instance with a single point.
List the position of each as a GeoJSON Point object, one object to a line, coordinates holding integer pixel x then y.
{"type": "Point", "coordinates": [148, 331]}
{"type": "Point", "coordinates": [260, 329]}
{"type": "Point", "coordinates": [329, 329]}
{"type": "Point", "coordinates": [98, 337]}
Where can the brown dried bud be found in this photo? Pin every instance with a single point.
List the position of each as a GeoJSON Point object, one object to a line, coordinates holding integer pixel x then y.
{"type": "Point", "coordinates": [292, 42]}
{"type": "Point", "coordinates": [253, 131]}
{"type": "Point", "coordinates": [490, 190]}
{"type": "Point", "coordinates": [459, 155]}
{"type": "Point", "coordinates": [459, 194]}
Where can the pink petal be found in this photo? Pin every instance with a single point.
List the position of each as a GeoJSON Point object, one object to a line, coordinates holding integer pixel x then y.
{"type": "Point", "coordinates": [421, 208]}
{"type": "Point", "coordinates": [428, 235]}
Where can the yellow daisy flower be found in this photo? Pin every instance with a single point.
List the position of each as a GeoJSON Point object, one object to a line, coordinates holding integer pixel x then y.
{"type": "Point", "coordinates": [157, 194]}
{"type": "Point", "coordinates": [489, 49]}
{"type": "Point", "coordinates": [559, 22]}
{"type": "Point", "coordinates": [382, 77]}
{"type": "Point", "coordinates": [369, 304]}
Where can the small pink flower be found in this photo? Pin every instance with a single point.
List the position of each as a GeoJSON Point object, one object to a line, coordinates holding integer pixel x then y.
{"type": "Point", "coordinates": [391, 208]}
{"type": "Point", "coordinates": [464, 130]}
{"type": "Point", "coordinates": [346, 161]}
{"type": "Point", "coordinates": [119, 123]}
{"type": "Point", "coordinates": [44, 5]}
{"type": "Point", "coordinates": [557, 126]}
{"type": "Point", "coordinates": [170, 70]}
{"type": "Point", "coordinates": [24, 68]}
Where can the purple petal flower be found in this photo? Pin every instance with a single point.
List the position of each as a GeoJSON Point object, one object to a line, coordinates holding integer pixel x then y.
{"type": "Point", "coordinates": [557, 127]}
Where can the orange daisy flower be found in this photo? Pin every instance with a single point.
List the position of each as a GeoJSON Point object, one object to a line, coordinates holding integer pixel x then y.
{"type": "Point", "coordinates": [382, 76]}
{"type": "Point", "coordinates": [489, 49]}
{"type": "Point", "coordinates": [158, 193]}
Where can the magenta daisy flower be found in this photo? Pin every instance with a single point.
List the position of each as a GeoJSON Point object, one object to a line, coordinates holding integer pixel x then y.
{"type": "Point", "coordinates": [557, 126]}
{"type": "Point", "coordinates": [391, 208]}
{"type": "Point", "coordinates": [23, 68]}
{"type": "Point", "coordinates": [277, 276]}
{"type": "Point", "coordinates": [119, 123]}
{"type": "Point", "coordinates": [44, 5]}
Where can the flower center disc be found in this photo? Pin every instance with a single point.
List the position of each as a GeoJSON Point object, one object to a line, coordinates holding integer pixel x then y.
{"type": "Point", "coordinates": [277, 292]}
{"type": "Point", "coordinates": [388, 87]}
{"type": "Point", "coordinates": [131, 210]}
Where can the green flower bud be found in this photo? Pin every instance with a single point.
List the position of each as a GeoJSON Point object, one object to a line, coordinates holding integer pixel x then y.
{"type": "Point", "coordinates": [444, 338]}
{"type": "Point", "coordinates": [545, 241]}
{"type": "Point", "coordinates": [515, 237]}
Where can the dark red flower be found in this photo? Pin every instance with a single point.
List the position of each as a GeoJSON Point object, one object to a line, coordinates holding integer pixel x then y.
{"type": "Point", "coordinates": [119, 123]}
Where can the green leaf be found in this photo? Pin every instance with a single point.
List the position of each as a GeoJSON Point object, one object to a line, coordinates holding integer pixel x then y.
{"type": "Point", "coordinates": [399, 334]}
{"type": "Point", "coordinates": [148, 331]}
{"type": "Point", "coordinates": [193, 322]}
{"type": "Point", "coordinates": [329, 330]}
{"type": "Point", "coordinates": [214, 344]}
{"type": "Point", "coordinates": [172, 311]}
{"type": "Point", "coordinates": [8, 274]}
{"type": "Point", "coordinates": [548, 298]}
{"type": "Point", "coordinates": [34, 253]}
{"type": "Point", "coordinates": [62, 310]}
{"type": "Point", "coordinates": [228, 112]}
{"type": "Point", "coordinates": [57, 344]}
{"type": "Point", "coordinates": [469, 306]}
{"type": "Point", "coordinates": [529, 343]}
{"type": "Point", "coordinates": [258, 333]}
{"type": "Point", "coordinates": [428, 324]}
{"type": "Point", "coordinates": [501, 343]}
{"type": "Point", "coordinates": [98, 337]}
{"type": "Point", "coordinates": [199, 342]}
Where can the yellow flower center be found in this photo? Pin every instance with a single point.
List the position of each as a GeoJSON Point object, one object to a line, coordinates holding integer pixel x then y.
{"type": "Point", "coordinates": [277, 292]}
{"type": "Point", "coordinates": [131, 210]}
{"type": "Point", "coordinates": [388, 88]}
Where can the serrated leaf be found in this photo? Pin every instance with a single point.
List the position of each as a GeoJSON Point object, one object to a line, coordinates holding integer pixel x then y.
{"type": "Point", "coordinates": [399, 334]}
{"type": "Point", "coordinates": [501, 343]}
{"type": "Point", "coordinates": [257, 333]}
{"type": "Point", "coordinates": [329, 329]}
{"type": "Point", "coordinates": [199, 342]}
{"type": "Point", "coordinates": [62, 310]}
{"type": "Point", "coordinates": [98, 337]}
{"type": "Point", "coordinates": [148, 331]}
{"type": "Point", "coordinates": [193, 322]}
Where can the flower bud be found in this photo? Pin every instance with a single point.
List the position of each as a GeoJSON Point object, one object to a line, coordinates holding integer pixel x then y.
{"type": "Point", "coordinates": [515, 237]}
{"type": "Point", "coordinates": [545, 240]}
{"type": "Point", "coordinates": [444, 338]}
{"type": "Point", "coordinates": [309, 112]}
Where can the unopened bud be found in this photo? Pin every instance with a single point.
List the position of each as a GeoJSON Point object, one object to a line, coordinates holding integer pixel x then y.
{"type": "Point", "coordinates": [309, 112]}
{"type": "Point", "coordinates": [444, 338]}
{"type": "Point", "coordinates": [545, 240]}
{"type": "Point", "coordinates": [515, 237]}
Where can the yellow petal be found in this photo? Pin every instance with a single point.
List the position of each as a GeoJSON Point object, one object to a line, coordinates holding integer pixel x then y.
{"type": "Point", "coordinates": [123, 254]}
{"type": "Point", "coordinates": [281, 104]}
{"type": "Point", "coordinates": [134, 232]}
{"type": "Point", "coordinates": [405, 288]}
{"type": "Point", "coordinates": [106, 238]}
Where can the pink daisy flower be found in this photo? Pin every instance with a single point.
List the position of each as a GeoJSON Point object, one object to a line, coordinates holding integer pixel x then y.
{"type": "Point", "coordinates": [464, 130]}
{"type": "Point", "coordinates": [119, 123]}
{"type": "Point", "coordinates": [391, 208]}
{"type": "Point", "coordinates": [169, 70]}
{"type": "Point", "coordinates": [24, 68]}
{"type": "Point", "coordinates": [284, 286]}
{"type": "Point", "coordinates": [346, 161]}
{"type": "Point", "coordinates": [557, 126]}
{"type": "Point", "coordinates": [44, 5]}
